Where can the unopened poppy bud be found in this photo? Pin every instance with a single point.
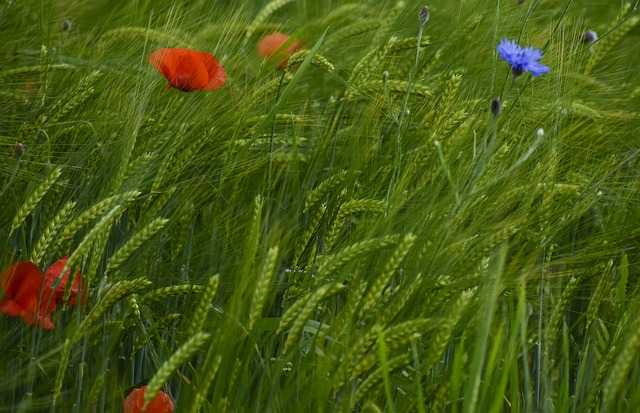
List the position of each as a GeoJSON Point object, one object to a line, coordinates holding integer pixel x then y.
{"type": "Point", "coordinates": [385, 75]}
{"type": "Point", "coordinates": [66, 25]}
{"type": "Point", "coordinates": [19, 150]}
{"type": "Point", "coordinates": [424, 15]}
{"type": "Point", "coordinates": [589, 37]}
{"type": "Point", "coordinates": [496, 107]}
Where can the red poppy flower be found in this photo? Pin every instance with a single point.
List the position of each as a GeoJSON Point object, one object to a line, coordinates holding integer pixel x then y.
{"type": "Point", "coordinates": [78, 286]}
{"type": "Point", "coordinates": [188, 70]}
{"type": "Point", "coordinates": [22, 284]}
{"type": "Point", "coordinates": [273, 47]}
{"type": "Point", "coordinates": [135, 400]}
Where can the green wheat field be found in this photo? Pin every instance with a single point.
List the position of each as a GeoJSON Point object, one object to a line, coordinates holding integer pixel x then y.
{"type": "Point", "coordinates": [359, 229]}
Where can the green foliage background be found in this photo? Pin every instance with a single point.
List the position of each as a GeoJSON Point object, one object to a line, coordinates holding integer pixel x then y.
{"type": "Point", "coordinates": [352, 235]}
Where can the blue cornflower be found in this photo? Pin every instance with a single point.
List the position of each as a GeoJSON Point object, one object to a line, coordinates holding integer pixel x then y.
{"type": "Point", "coordinates": [522, 59]}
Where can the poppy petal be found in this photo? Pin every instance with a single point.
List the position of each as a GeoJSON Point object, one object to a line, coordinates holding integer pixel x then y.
{"type": "Point", "coordinates": [12, 277]}
{"type": "Point", "coordinates": [187, 69]}
{"type": "Point", "coordinates": [272, 47]}
{"type": "Point", "coordinates": [134, 402]}
{"type": "Point", "coordinates": [190, 74]}
{"type": "Point", "coordinates": [215, 72]}
{"type": "Point", "coordinates": [10, 307]}
{"type": "Point", "coordinates": [53, 274]}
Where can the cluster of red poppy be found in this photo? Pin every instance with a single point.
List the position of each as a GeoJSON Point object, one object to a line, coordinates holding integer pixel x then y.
{"type": "Point", "coordinates": [135, 402]}
{"type": "Point", "coordinates": [32, 295]}
{"type": "Point", "coordinates": [188, 70]}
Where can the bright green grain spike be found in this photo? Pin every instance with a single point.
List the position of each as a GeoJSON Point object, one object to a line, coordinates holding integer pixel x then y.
{"type": "Point", "coordinates": [359, 28]}
{"type": "Point", "coordinates": [370, 407]}
{"type": "Point", "coordinates": [203, 386]}
{"type": "Point", "coordinates": [162, 294]}
{"type": "Point", "coordinates": [100, 230]}
{"type": "Point", "coordinates": [374, 294]}
{"type": "Point", "coordinates": [620, 369]}
{"type": "Point", "coordinates": [264, 14]}
{"type": "Point", "coordinates": [393, 86]}
{"type": "Point", "coordinates": [595, 387]}
{"type": "Point", "coordinates": [152, 208]}
{"type": "Point", "coordinates": [369, 63]}
{"type": "Point", "coordinates": [289, 89]}
{"type": "Point", "coordinates": [77, 97]}
{"type": "Point", "coordinates": [330, 264]}
{"type": "Point", "coordinates": [376, 377]}
{"type": "Point", "coordinates": [317, 60]}
{"type": "Point", "coordinates": [134, 243]}
{"type": "Point", "coordinates": [442, 337]}
{"type": "Point", "coordinates": [395, 338]}
{"type": "Point", "coordinates": [599, 292]}
{"type": "Point", "coordinates": [308, 234]}
{"type": "Point", "coordinates": [97, 387]}
{"type": "Point", "coordinates": [253, 239]}
{"type": "Point", "coordinates": [95, 211]}
{"type": "Point", "coordinates": [179, 234]}
{"type": "Point", "coordinates": [408, 43]}
{"type": "Point", "coordinates": [291, 314]}
{"type": "Point", "coordinates": [34, 69]}
{"type": "Point", "coordinates": [559, 311]}
{"type": "Point", "coordinates": [345, 11]}
{"type": "Point", "coordinates": [616, 33]}
{"type": "Point", "coordinates": [133, 304]}
{"type": "Point", "coordinates": [310, 305]}
{"type": "Point", "coordinates": [45, 242]}
{"type": "Point", "coordinates": [581, 109]}
{"type": "Point", "coordinates": [621, 296]}
{"type": "Point", "coordinates": [261, 291]}
{"type": "Point", "coordinates": [136, 169]}
{"type": "Point", "coordinates": [347, 209]}
{"type": "Point", "coordinates": [330, 184]}
{"type": "Point", "coordinates": [142, 33]}
{"type": "Point", "coordinates": [446, 100]}
{"type": "Point", "coordinates": [184, 156]}
{"type": "Point", "coordinates": [34, 198]}
{"type": "Point", "coordinates": [387, 23]}
{"type": "Point", "coordinates": [115, 294]}
{"type": "Point", "coordinates": [397, 332]}
{"type": "Point", "coordinates": [202, 309]}
{"type": "Point", "coordinates": [177, 359]}
{"type": "Point", "coordinates": [154, 330]}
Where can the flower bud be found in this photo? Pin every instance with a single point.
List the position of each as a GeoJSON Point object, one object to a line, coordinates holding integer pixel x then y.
{"type": "Point", "coordinates": [424, 15]}
{"type": "Point", "coordinates": [19, 150]}
{"type": "Point", "coordinates": [589, 37]}
{"type": "Point", "coordinates": [496, 107]}
{"type": "Point", "coordinates": [66, 25]}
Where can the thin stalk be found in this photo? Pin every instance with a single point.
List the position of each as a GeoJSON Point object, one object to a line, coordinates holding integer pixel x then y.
{"type": "Point", "coordinates": [403, 110]}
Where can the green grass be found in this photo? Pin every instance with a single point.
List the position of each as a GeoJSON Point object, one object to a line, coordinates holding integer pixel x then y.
{"type": "Point", "coordinates": [367, 238]}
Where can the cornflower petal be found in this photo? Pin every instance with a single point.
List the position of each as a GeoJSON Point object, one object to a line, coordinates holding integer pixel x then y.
{"type": "Point", "coordinates": [521, 59]}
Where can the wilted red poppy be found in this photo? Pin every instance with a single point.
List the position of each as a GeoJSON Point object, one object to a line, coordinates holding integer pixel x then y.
{"type": "Point", "coordinates": [22, 284]}
{"type": "Point", "coordinates": [135, 401]}
{"type": "Point", "coordinates": [78, 286]}
{"type": "Point", "coordinates": [273, 47]}
{"type": "Point", "coordinates": [188, 70]}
